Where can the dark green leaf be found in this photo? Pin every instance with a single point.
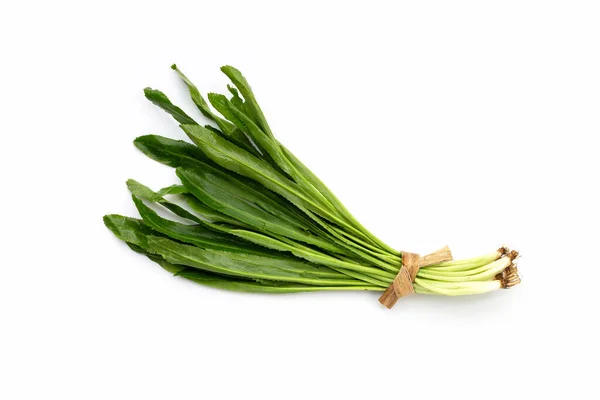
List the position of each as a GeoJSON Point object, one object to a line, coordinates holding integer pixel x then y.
{"type": "Point", "coordinates": [310, 254]}
{"type": "Point", "coordinates": [267, 145]}
{"type": "Point", "coordinates": [161, 100]}
{"type": "Point", "coordinates": [235, 159]}
{"type": "Point", "coordinates": [173, 153]}
{"type": "Point", "coordinates": [242, 84]}
{"type": "Point", "coordinates": [171, 190]}
{"type": "Point", "coordinates": [200, 234]}
{"type": "Point", "coordinates": [195, 95]}
{"type": "Point", "coordinates": [221, 104]}
{"type": "Point", "coordinates": [211, 214]}
{"type": "Point", "coordinates": [143, 192]}
{"type": "Point", "coordinates": [246, 265]}
{"type": "Point", "coordinates": [130, 230]}
{"type": "Point", "coordinates": [227, 129]}
{"type": "Point", "coordinates": [233, 198]}
{"type": "Point", "coordinates": [172, 268]}
{"type": "Point", "coordinates": [263, 286]}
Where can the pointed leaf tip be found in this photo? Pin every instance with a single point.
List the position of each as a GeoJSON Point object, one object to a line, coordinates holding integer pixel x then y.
{"type": "Point", "coordinates": [106, 220]}
{"type": "Point", "coordinates": [229, 68]}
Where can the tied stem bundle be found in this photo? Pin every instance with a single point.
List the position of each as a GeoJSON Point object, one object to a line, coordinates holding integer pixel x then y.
{"type": "Point", "coordinates": [249, 216]}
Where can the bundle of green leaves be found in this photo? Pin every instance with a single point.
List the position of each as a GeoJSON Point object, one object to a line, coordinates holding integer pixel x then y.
{"type": "Point", "coordinates": [258, 220]}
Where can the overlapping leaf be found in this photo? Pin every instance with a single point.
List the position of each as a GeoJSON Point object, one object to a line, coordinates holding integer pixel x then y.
{"type": "Point", "coordinates": [257, 219]}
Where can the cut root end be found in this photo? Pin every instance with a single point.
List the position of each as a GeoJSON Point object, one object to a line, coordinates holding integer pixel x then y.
{"type": "Point", "coordinates": [513, 255]}
{"type": "Point", "coordinates": [503, 251]}
{"type": "Point", "coordinates": [510, 276]}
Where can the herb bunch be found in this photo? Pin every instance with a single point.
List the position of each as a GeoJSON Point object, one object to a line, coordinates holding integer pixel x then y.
{"type": "Point", "coordinates": [258, 220]}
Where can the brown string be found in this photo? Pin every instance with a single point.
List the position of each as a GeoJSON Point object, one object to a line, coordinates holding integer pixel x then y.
{"type": "Point", "coordinates": [403, 282]}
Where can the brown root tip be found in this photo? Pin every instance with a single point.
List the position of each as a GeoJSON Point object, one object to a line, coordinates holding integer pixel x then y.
{"type": "Point", "coordinates": [509, 277]}
{"type": "Point", "coordinates": [503, 251]}
{"type": "Point", "coordinates": [513, 254]}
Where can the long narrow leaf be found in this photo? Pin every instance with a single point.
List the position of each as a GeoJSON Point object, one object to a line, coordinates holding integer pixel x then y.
{"type": "Point", "coordinates": [226, 128]}
{"type": "Point", "coordinates": [238, 285]}
{"type": "Point", "coordinates": [161, 100]}
{"type": "Point", "coordinates": [244, 87]}
{"type": "Point", "coordinates": [228, 197]}
{"type": "Point", "coordinates": [248, 266]}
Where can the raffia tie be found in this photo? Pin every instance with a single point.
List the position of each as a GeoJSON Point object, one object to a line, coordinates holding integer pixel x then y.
{"type": "Point", "coordinates": [403, 282]}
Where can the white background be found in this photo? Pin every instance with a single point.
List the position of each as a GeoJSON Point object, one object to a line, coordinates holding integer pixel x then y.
{"type": "Point", "coordinates": [467, 123]}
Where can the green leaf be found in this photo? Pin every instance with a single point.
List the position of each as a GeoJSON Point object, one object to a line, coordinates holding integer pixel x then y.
{"type": "Point", "coordinates": [246, 265]}
{"type": "Point", "coordinates": [211, 214]}
{"type": "Point", "coordinates": [167, 266]}
{"type": "Point", "coordinates": [143, 192]}
{"type": "Point", "coordinates": [235, 94]}
{"type": "Point", "coordinates": [130, 230]}
{"type": "Point", "coordinates": [159, 99]}
{"type": "Point", "coordinates": [264, 286]}
{"type": "Point", "coordinates": [200, 234]}
{"type": "Point", "coordinates": [238, 102]}
{"type": "Point", "coordinates": [355, 248]}
{"type": "Point", "coordinates": [379, 281]}
{"type": "Point", "coordinates": [227, 129]}
{"type": "Point", "coordinates": [172, 268]}
{"type": "Point", "coordinates": [171, 190]}
{"type": "Point", "coordinates": [311, 254]}
{"type": "Point", "coordinates": [267, 145]}
{"type": "Point", "coordinates": [240, 283]}
{"type": "Point", "coordinates": [173, 153]}
{"type": "Point", "coordinates": [195, 95]}
{"type": "Point", "coordinates": [176, 153]}
{"type": "Point", "coordinates": [272, 148]}
{"type": "Point", "coordinates": [233, 158]}
{"type": "Point", "coordinates": [242, 84]}
{"type": "Point", "coordinates": [231, 197]}
{"type": "Point", "coordinates": [202, 104]}
{"type": "Point", "coordinates": [332, 199]}
{"type": "Point", "coordinates": [221, 104]}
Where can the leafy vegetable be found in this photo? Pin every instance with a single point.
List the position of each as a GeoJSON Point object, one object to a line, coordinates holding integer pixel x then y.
{"type": "Point", "coordinates": [254, 218]}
